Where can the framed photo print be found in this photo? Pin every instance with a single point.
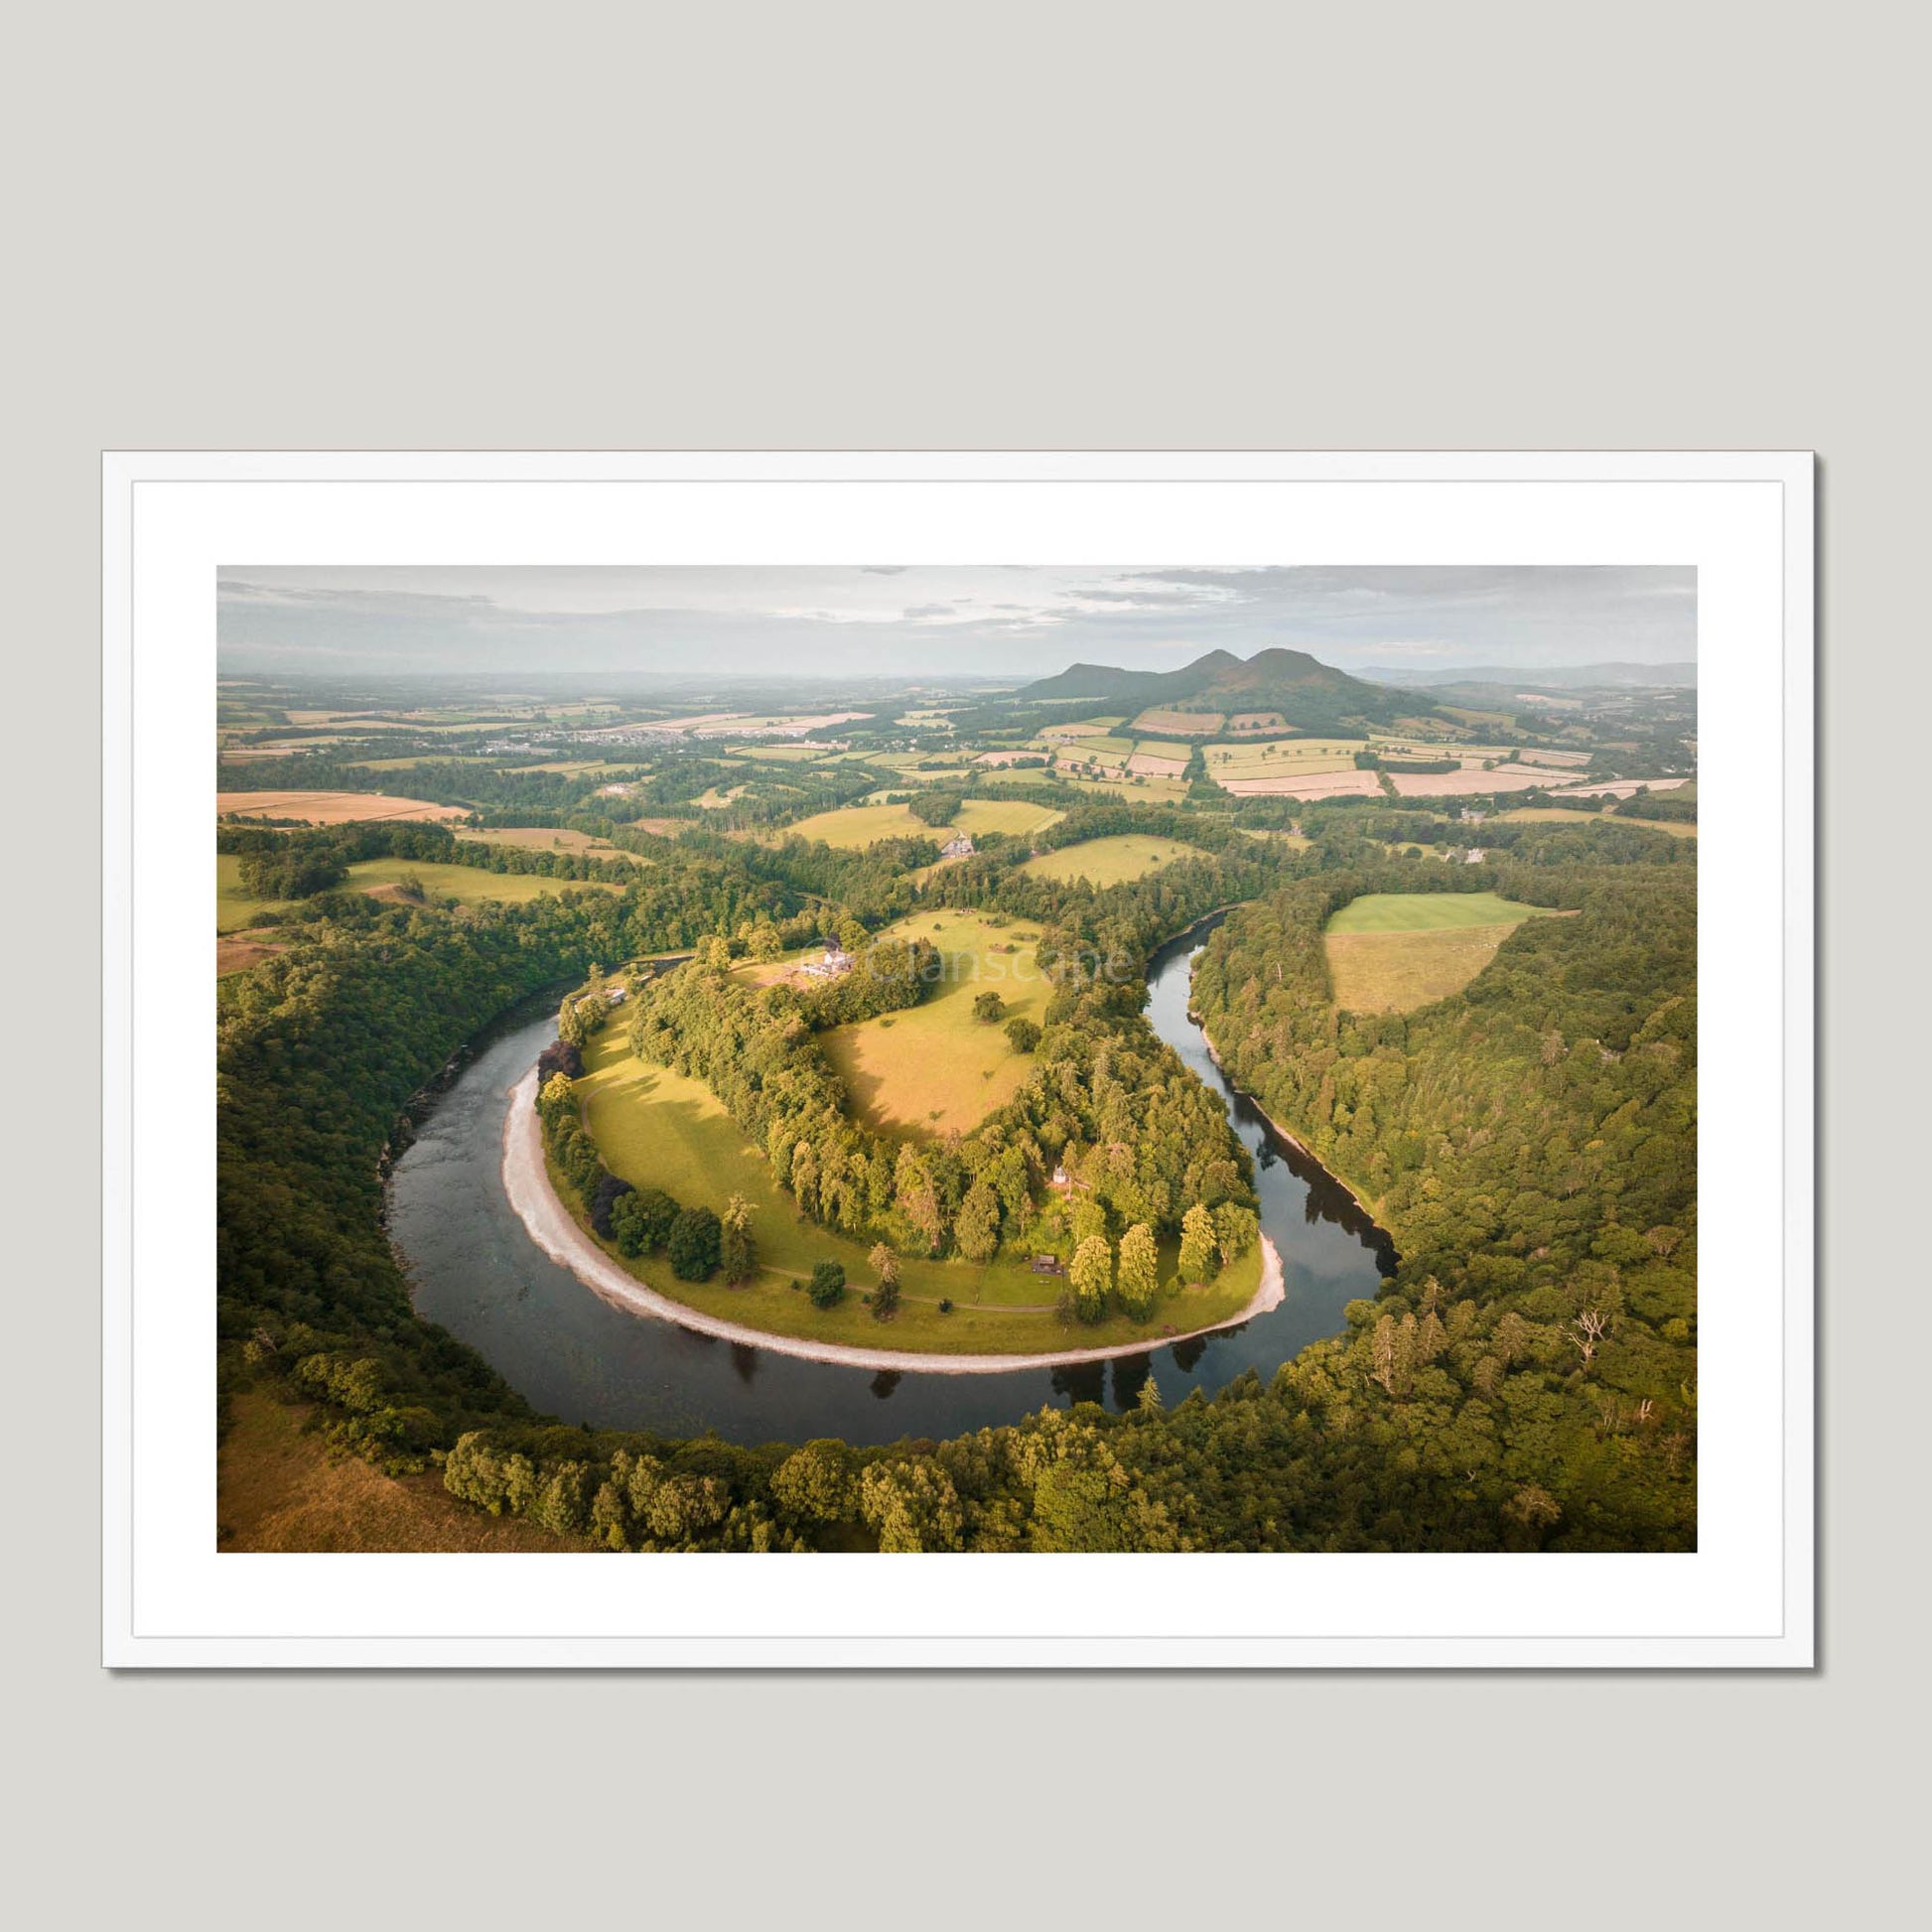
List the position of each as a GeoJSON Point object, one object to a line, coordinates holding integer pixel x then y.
{"type": "Point", "coordinates": [1111, 1046]}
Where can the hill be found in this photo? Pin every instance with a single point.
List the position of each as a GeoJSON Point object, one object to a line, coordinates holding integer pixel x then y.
{"type": "Point", "coordinates": [1307, 692]}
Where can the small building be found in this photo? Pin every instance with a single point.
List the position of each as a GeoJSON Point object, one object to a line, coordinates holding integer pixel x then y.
{"type": "Point", "coordinates": [1476, 856]}
{"type": "Point", "coordinates": [1060, 1178]}
{"type": "Point", "coordinates": [617, 993]}
{"type": "Point", "coordinates": [1048, 1265]}
{"type": "Point", "coordinates": [957, 847]}
{"type": "Point", "coordinates": [833, 962]}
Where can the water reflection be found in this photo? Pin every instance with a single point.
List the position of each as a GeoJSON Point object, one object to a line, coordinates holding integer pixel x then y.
{"type": "Point", "coordinates": [476, 1272]}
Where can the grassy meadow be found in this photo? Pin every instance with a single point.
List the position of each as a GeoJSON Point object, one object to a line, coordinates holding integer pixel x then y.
{"type": "Point", "coordinates": [1391, 952]}
{"type": "Point", "coordinates": [235, 909]}
{"type": "Point", "coordinates": [656, 1128]}
{"type": "Point", "coordinates": [854, 827]}
{"type": "Point", "coordinates": [934, 1067]}
{"type": "Point", "coordinates": [1113, 860]}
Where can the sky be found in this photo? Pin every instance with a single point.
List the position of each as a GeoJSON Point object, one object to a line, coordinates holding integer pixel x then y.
{"type": "Point", "coordinates": [896, 618]}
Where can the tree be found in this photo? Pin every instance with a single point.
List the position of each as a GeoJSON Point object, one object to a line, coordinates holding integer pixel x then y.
{"type": "Point", "coordinates": [885, 1295]}
{"type": "Point", "coordinates": [736, 1248]}
{"type": "Point", "coordinates": [988, 1008]}
{"type": "Point", "coordinates": [555, 1099]}
{"type": "Point", "coordinates": [1022, 1033]}
{"type": "Point", "coordinates": [1198, 1247]}
{"type": "Point", "coordinates": [642, 1222]}
{"type": "Point", "coordinates": [816, 1482]}
{"type": "Point", "coordinates": [604, 1199]}
{"type": "Point", "coordinates": [1092, 1275]}
{"type": "Point", "coordinates": [693, 1244]}
{"type": "Point", "coordinates": [827, 1286]}
{"type": "Point", "coordinates": [913, 1506]}
{"type": "Point", "coordinates": [976, 1226]}
{"type": "Point", "coordinates": [1235, 1230]}
{"type": "Point", "coordinates": [916, 1196]}
{"type": "Point", "coordinates": [1138, 1275]}
{"type": "Point", "coordinates": [935, 807]}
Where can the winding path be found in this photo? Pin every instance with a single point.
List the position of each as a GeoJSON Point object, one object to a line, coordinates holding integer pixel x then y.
{"type": "Point", "coordinates": [526, 1181]}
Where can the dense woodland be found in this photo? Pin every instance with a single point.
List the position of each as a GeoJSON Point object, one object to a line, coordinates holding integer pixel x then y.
{"type": "Point", "coordinates": [1527, 1379]}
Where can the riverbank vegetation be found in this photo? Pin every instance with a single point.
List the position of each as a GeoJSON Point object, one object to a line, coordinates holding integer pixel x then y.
{"type": "Point", "coordinates": [1525, 1380]}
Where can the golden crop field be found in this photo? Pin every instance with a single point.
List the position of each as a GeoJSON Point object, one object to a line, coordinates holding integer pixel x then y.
{"type": "Point", "coordinates": [329, 807]}
{"type": "Point", "coordinates": [1187, 724]}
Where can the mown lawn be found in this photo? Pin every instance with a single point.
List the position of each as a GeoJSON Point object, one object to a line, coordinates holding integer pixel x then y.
{"type": "Point", "coordinates": [655, 1127]}
{"type": "Point", "coordinates": [1111, 861]}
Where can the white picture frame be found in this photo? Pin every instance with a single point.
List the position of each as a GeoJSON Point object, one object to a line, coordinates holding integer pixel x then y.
{"type": "Point", "coordinates": [1744, 1600]}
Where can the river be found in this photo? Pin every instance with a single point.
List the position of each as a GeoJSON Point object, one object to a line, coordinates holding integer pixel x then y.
{"type": "Point", "coordinates": [474, 1268]}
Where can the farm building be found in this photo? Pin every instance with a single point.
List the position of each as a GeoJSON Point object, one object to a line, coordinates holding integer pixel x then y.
{"type": "Point", "coordinates": [957, 847]}
{"type": "Point", "coordinates": [833, 962]}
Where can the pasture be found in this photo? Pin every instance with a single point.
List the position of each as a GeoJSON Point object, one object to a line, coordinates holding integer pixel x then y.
{"type": "Point", "coordinates": [1551, 814]}
{"type": "Point", "coordinates": [236, 911]}
{"type": "Point", "coordinates": [329, 807]}
{"type": "Point", "coordinates": [543, 838]}
{"type": "Point", "coordinates": [854, 827]}
{"type": "Point", "coordinates": [656, 1128]}
{"type": "Point", "coordinates": [467, 885]}
{"type": "Point", "coordinates": [1110, 862]}
{"type": "Point", "coordinates": [1391, 952]}
{"type": "Point", "coordinates": [935, 1068]}
{"type": "Point", "coordinates": [1136, 791]}
{"type": "Point", "coordinates": [1179, 724]}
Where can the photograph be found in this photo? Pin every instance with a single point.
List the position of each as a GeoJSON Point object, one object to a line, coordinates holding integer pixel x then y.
{"type": "Point", "coordinates": [967, 1058]}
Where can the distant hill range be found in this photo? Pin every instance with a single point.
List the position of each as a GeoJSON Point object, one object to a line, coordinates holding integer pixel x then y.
{"type": "Point", "coordinates": [1304, 690]}
{"type": "Point", "coordinates": [1544, 677]}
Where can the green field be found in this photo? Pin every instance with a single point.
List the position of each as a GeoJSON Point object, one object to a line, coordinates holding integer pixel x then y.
{"type": "Point", "coordinates": [934, 1067]}
{"type": "Point", "coordinates": [543, 838]}
{"type": "Point", "coordinates": [236, 911]}
{"type": "Point", "coordinates": [1110, 862]}
{"type": "Point", "coordinates": [854, 827]}
{"type": "Point", "coordinates": [235, 908]}
{"type": "Point", "coordinates": [1555, 814]}
{"type": "Point", "coordinates": [655, 1127]}
{"type": "Point", "coordinates": [1135, 790]}
{"type": "Point", "coordinates": [1429, 911]}
{"type": "Point", "coordinates": [1391, 952]}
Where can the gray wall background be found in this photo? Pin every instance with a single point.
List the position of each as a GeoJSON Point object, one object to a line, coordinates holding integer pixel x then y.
{"type": "Point", "coordinates": [1061, 227]}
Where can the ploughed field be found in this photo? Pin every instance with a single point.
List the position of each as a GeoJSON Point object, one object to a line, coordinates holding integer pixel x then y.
{"type": "Point", "coordinates": [1391, 952]}
{"type": "Point", "coordinates": [658, 1128]}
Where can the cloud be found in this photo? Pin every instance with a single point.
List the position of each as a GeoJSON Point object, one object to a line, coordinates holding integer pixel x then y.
{"type": "Point", "coordinates": [1001, 620]}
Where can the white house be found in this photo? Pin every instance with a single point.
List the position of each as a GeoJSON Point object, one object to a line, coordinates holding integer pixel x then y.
{"type": "Point", "coordinates": [833, 961]}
